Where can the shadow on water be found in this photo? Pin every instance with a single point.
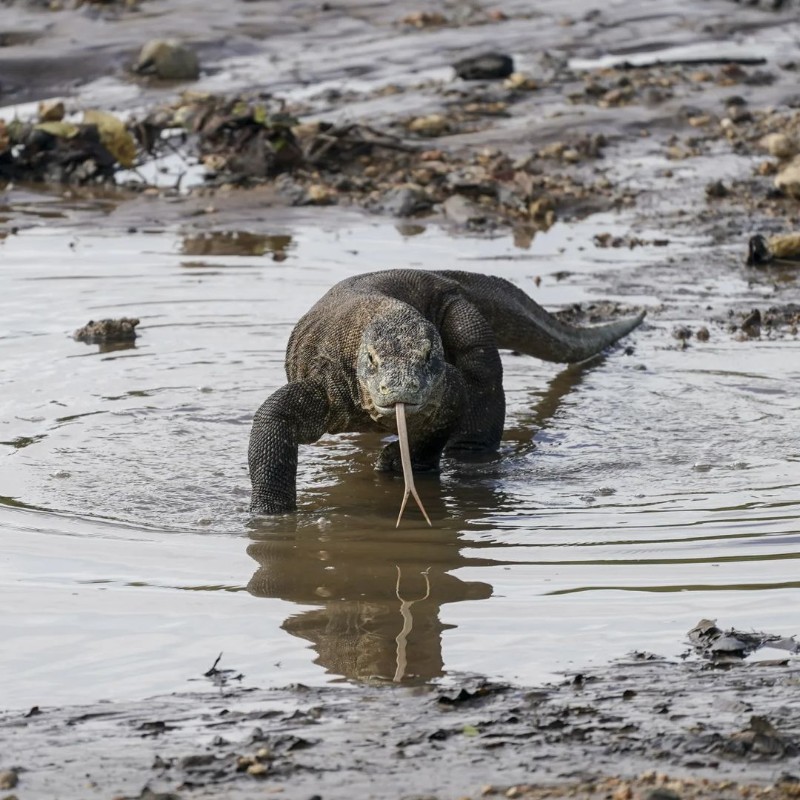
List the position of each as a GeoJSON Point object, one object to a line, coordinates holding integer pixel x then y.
{"type": "Point", "coordinates": [526, 426]}
{"type": "Point", "coordinates": [376, 592]}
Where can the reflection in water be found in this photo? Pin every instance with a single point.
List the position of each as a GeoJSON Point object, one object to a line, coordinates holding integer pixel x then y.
{"type": "Point", "coordinates": [378, 594]}
{"type": "Point", "coordinates": [378, 599]}
{"type": "Point", "coordinates": [18, 442]}
{"type": "Point", "coordinates": [408, 229]}
{"type": "Point", "coordinates": [110, 346]}
{"type": "Point", "coordinates": [115, 347]}
{"type": "Point", "coordinates": [236, 243]}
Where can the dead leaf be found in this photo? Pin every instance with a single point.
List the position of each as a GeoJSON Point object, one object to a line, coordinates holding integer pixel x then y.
{"type": "Point", "coordinates": [113, 134]}
{"type": "Point", "coordinates": [64, 130]}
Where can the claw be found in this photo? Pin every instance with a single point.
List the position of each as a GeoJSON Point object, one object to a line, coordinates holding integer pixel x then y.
{"type": "Point", "coordinates": [405, 457]}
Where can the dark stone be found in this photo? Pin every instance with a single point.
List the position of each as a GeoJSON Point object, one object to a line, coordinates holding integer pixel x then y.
{"type": "Point", "coordinates": [717, 190]}
{"type": "Point", "coordinates": [486, 67]}
{"type": "Point", "coordinates": [405, 202]}
{"type": "Point", "coordinates": [662, 794]}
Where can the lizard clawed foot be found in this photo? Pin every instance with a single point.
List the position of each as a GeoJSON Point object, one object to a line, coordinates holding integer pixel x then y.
{"type": "Point", "coordinates": [408, 474]}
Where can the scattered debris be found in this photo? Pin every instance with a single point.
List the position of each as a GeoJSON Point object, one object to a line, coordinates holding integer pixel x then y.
{"type": "Point", "coordinates": [220, 677]}
{"type": "Point", "coordinates": [609, 240]}
{"type": "Point", "coordinates": [774, 321]}
{"type": "Point", "coordinates": [760, 739]}
{"type": "Point", "coordinates": [732, 646]}
{"type": "Point", "coordinates": [65, 152]}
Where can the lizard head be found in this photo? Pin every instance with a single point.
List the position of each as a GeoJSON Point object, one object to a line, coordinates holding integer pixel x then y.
{"type": "Point", "coordinates": [400, 360]}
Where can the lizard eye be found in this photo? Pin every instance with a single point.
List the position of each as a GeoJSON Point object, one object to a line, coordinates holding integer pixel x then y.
{"type": "Point", "coordinates": [371, 358]}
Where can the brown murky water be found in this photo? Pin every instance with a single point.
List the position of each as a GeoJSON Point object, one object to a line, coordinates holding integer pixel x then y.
{"type": "Point", "coordinates": [631, 496]}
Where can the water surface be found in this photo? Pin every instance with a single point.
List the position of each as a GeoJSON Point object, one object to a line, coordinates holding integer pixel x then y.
{"type": "Point", "coordinates": [631, 496]}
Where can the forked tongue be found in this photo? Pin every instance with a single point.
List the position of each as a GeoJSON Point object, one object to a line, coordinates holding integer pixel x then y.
{"type": "Point", "coordinates": [405, 457]}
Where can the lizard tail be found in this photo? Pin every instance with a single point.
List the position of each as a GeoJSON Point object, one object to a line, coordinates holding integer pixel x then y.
{"type": "Point", "coordinates": [520, 323]}
{"type": "Point", "coordinates": [552, 340]}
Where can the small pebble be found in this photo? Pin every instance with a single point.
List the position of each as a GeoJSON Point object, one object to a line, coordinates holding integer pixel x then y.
{"type": "Point", "coordinates": [717, 190]}
{"type": "Point", "coordinates": [8, 779]}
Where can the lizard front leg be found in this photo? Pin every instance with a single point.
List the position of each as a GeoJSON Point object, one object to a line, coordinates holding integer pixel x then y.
{"type": "Point", "coordinates": [295, 414]}
{"type": "Point", "coordinates": [471, 347]}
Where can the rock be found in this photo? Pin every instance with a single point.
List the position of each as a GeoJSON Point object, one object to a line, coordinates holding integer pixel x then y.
{"type": "Point", "coordinates": [489, 66]}
{"type": "Point", "coordinates": [623, 792]}
{"type": "Point", "coordinates": [788, 179]}
{"type": "Point", "coordinates": [553, 150]}
{"type": "Point", "coordinates": [404, 201]}
{"type": "Point", "coordinates": [168, 59]}
{"type": "Point", "coordinates": [8, 779]}
{"type": "Point", "coordinates": [196, 761]}
{"type": "Point", "coordinates": [785, 246]}
{"type": "Point", "coordinates": [700, 121]}
{"type": "Point", "coordinates": [662, 793]}
{"type": "Point", "coordinates": [424, 19]}
{"type": "Point", "coordinates": [542, 212]}
{"type": "Point", "coordinates": [779, 145]}
{"type": "Point", "coordinates": [681, 333]}
{"type": "Point", "coordinates": [702, 334]}
{"type": "Point", "coordinates": [616, 97]}
{"type": "Point", "coordinates": [462, 211]}
{"type": "Point", "coordinates": [758, 251]}
{"type": "Point", "coordinates": [107, 330]}
{"type": "Point", "coordinates": [739, 114]}
{"type": "Point", "coordinates": [319, 195]}
{"type": "Point", "coordinates": [767, 168]}
{"type": "Point", "coordinates": [751, 324]}
{"type": "Point", "coordinates": [432, 125]}
{"type": "Point", "coordinates": [51, 111]}
{"type": "Point", "coordinates": [716, 190]}
{"type": "Point", "coordinates": [519, 80]}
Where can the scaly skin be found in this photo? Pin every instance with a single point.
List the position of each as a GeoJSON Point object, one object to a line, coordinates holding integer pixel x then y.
{"type": "Point", "coordinates": [426, 339]}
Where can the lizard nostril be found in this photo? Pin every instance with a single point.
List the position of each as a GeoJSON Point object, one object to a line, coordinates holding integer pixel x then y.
{"type": "Point", "coordinates": [384, 389]}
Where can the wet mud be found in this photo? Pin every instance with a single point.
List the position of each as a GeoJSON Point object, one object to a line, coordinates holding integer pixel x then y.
{"type": "Point", "coordinates": [644, 727]}
{"type": "Point", "coordinates": [625, 161]}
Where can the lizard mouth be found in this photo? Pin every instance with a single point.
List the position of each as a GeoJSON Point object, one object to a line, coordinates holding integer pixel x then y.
{"type": "Point", "coordinates": [389, 411]}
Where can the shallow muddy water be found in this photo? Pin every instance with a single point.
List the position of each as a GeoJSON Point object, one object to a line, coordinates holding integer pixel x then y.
{"type": "Point", "coordinates": [631, 496]}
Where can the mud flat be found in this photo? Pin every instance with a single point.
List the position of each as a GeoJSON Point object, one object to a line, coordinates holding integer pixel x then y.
{"type": "Point", "coordinates": [644, 727]}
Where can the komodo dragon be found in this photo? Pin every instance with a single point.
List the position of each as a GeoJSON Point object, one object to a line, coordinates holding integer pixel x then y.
{"type": "Point", "coordinates": [385, 343]}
